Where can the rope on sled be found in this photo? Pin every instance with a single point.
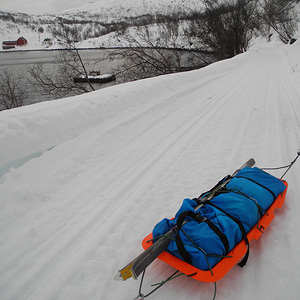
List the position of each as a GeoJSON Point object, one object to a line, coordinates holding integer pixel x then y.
{"type": "Point", "coordinates": [285, 167]}
{"type": "Point", "coordinates": [141, 296]}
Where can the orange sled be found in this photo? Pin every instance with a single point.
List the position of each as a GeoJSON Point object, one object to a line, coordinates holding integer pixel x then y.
{"type": "Point", "coordinates": [226, 263]}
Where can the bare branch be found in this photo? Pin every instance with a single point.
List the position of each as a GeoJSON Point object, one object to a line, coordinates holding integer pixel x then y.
{"type": "Point", "coordinates": [69, 66]}
{"type": "Point", "coordinates": [11, 94]}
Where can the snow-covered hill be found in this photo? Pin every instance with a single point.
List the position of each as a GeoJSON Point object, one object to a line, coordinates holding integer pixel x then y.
{"type": "Point", "coordinates": [84, 179]}
{"type": "Point", "coordinates": [98, 23]}
{"type": "Point", "coordinates": [91, 20]}
{"type": "Point", "coordinates": [120, 9]}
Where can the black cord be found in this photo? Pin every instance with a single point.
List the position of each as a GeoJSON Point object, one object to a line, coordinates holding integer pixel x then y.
{"type": "Point", "coordinates": [141, 296]}
{"type": "Point", "coordinates": [284, 167]}
{"type": "Point", "coordinates": [159, 285]}
{"type": "Point", "coordinates": [278, 168]}
{"type": "Point", "coordinates": [298, 154]}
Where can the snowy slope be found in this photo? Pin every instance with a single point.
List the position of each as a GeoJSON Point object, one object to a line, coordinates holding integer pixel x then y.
{"type": "Point", "coordinates": [119, 9]}
{"type": "Point", "coordinates": [13, 24]}
{"type": "Point", "coordinates": [84, 179]}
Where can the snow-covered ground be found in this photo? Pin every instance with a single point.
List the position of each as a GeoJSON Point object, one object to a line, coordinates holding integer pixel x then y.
{"type": "Point", "coordinates": [84, 179]}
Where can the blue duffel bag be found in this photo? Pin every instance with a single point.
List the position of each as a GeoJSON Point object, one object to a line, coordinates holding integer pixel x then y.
{"type": "Point", "coordinates": [204, 236]}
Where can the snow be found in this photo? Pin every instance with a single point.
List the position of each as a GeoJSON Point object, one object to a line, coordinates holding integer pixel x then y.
{"type": "Point", "coordinates": [130, 7]}
{"type": "Point", "coordinates": [73, 6]}
{"type": "Point", "coordinates": [104, 11]}
{"type": "Point", "coordinates": [84, 179]}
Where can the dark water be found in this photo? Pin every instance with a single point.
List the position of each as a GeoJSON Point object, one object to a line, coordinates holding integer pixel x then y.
{"type": "Point", "coordinates": [18, 63]}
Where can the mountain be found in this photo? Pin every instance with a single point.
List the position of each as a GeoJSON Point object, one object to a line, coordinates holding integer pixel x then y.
{"type": "Point", "coordinates": [96, 24]}
{"type": "Point", "coordinates": [116, 10]}
{"type": "Point", "coordinates": [92, 20]}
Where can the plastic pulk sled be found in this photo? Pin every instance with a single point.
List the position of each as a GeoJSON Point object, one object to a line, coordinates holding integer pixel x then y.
{"type": "Point", "coordinates": [212, 233]}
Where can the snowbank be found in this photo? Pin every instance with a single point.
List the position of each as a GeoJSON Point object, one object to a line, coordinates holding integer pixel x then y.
{"type": "Point", "coordinates": [84, 179]}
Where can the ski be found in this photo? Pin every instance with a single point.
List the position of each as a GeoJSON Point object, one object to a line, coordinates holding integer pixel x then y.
{"type": "Point", "coordinates": [141, 262]}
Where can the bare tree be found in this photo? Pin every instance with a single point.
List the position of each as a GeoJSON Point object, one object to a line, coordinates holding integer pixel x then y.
{"type": "Point", "coordinates": [11, 94]}
{"type": "Point", "coordinates": [153, 50]}
{"type": "Point", "coordinates": [70, 65]}
{"type": "Point", "coordinates": [226, 26]}
{"type": "Point", "coordinates": [280, 16]}
{"type": "Point", "coordinates": [145, 53]}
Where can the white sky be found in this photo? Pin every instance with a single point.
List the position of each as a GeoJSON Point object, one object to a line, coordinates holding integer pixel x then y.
{"type": "Point", "coordinates": [40, 6]}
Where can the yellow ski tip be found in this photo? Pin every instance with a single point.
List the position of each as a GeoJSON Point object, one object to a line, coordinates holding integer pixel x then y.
{"type": "Point", "coordinates": [125, 273]}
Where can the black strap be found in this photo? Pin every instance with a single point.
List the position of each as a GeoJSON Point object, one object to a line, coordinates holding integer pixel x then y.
{"type": "Point", "coordinates": [220, 234]}
{"type": "Point", "coordinates": [180, 246]}
{"type": "Point", "coordinates": [241, 227]}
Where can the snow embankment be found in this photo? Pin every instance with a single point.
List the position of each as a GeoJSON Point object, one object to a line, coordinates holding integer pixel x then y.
{"type": "Point", "coordinates": [84, 179]}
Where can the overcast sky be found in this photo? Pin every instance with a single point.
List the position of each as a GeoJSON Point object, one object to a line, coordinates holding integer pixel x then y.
{"type": "Point", "coordinates": [40, 6]}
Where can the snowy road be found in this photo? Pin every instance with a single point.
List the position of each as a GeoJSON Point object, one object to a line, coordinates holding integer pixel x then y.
{"type": "Point", "coordinates": [84, 179]}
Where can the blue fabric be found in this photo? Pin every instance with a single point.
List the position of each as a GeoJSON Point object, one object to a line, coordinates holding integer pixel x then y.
{"type": "Point", "coordinates": [234, 202]}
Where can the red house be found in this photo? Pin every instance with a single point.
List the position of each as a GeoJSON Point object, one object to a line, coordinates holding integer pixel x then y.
{"type": "Point", "coordinates": [21, 41]}
{"type": "Point", "coordinates": [9, 44]}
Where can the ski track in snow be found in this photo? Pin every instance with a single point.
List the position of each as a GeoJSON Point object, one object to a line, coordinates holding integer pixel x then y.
{"type": "Point", "coordinates": [75, 214]}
